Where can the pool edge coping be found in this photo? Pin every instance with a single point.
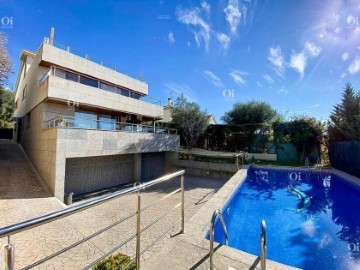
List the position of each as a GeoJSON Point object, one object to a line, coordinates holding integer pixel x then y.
{"type": "Point", "coordinates": [199, 224]}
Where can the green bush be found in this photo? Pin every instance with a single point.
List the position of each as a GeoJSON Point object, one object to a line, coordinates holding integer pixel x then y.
{"type": "Point", "coordinates": [116, 262]}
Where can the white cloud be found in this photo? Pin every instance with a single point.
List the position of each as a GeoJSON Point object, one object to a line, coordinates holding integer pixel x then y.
{"type": "Point", "coordinates": [355, 66]}
{"type": "Point", "coordinates": [277, 60]}
{"type": "Point", "coordinates": [206, 7]}
{"type": "Point", "coordinates": [238, 76]}
{"type": "Point", "coordinates": [212, 78]}
{"type": "Point", "coordinates": [259, 84]}
{"type": "Point", "coordinates": [224, 40]}
{"type": "Point", "coordinates": [171, 37]}
{"type": "Point", "coordinates": [179, 89]}
{"type": "Point", "coordinates": [282, 90]}
{"type": "Point", "coordinates": [345, 56]}
{"type": "Point", "coordinates": [233, 14]}
{"type": "Point", "coordinates": [343, 75]}
{"type": "Point", "coordinates": [268, 79]}
{"type": "Point", "coordinates": [193, 17]}
{"type": "Point", "coordinates": [298, 62]}
{"type": "Point", "coordinates": [316, 105]}
{"type": "Point", "coordinates": [188, 44]}
{"type": "Point", "coordinates": [311, 49]}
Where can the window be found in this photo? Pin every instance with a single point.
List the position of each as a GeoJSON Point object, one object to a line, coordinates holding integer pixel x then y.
{"type": "Point", "coordinates": [85, 119]}
{"type": "Point", "coordinates": [24, 93]}
{"type": "Point", "coordinates": [135, 95]}
{"type": "Point", "coordinates": [16, 104]}
{"type": "Point", "coordinates": [107, 87]}
{"type": "Point", "coordinates": [125, 92]}
{"type": "Point", "coordinates": [88, 81]}
{"type": "Point", "coordinates": [71, 76]}
{"type": "Point", "coordinates": [107, 122]}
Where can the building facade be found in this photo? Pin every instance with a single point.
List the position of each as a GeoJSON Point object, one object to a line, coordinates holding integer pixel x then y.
{"type": "Point", "coordinates": [86, 127]}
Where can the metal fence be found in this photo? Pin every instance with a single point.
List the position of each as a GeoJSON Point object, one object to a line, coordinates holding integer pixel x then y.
{"type": "Point", "coordinates": [9, 231]}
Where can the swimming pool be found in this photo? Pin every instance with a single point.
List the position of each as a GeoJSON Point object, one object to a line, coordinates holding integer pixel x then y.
{"type": "Point", "coordinates": [313, 219]}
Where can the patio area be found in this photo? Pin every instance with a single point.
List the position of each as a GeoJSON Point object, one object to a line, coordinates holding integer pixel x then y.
{"type": "Point", "coordinates": [37, 243]}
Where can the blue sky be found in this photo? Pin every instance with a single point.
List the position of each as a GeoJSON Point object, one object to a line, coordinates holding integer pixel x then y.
{"type": "Point", "coordinates": [296, 55]}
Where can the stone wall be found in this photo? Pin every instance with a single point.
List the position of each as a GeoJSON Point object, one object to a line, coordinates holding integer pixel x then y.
{"type": "Point", "coordinates": [206, 169]}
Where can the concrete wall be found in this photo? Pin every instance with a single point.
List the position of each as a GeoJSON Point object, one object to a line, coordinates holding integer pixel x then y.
{"type": "Point", "coordinates": [40, 145]}
{"type": "Point", "coordinates": [86, 142]}
{"type": "Point", "coordinates": [66, 90]}
{"type": "Point", "coordinates": [261, 156]}
{"type": "Point", "coordinates": [206, 169]}
{"type": "Point", "coordinates": [72, 143]}
{"type": "Point", "coordinates": [71, 61]}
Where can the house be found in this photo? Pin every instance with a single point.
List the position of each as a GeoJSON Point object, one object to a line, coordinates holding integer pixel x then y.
{"type": "Point", "coordinates": [168, 110]}
{"type": "Point", "coordinates": [82, 124]}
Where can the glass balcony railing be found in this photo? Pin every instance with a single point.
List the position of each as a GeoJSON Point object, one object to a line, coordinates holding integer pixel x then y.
{"type": "Point", "coordinates": [110, 124]}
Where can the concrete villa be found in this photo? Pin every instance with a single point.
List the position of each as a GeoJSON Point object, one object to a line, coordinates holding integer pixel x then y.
{"type": "Point", "coordinates": [82, 124]}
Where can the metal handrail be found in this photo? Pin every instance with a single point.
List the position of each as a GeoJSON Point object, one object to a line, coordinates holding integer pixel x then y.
{"type": "Point", "coordinates": [68, 121]}
{"type": "Point", "coordinates": [217, 214]}
{"type": "Point", "coordinates": [23, 226]}
{"type": "Point", "coordinates": [35, 222]}
{"type": "Point", "coordinates": [263, 245]}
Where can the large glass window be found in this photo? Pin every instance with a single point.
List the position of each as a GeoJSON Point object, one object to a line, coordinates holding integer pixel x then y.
{"type": "Point", "coordinates": [71, 76]}
{"type": "Point", "coordinates": [125, 92]}
{"type": "Point", "coordinates": [107, 122]}
{"type": "Point", "coordinates": [107, 87]}
{"type": "Point", "coordinates": [135, 95]}
{"type": "Point", "coordinates": [88, 81]}
{"type": "Point", "coordinates": [85, 120]}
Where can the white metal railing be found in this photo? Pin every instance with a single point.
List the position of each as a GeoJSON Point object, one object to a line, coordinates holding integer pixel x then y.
{"type": "Point", "coordinates": [32, 223]}
{"type": "Point", "coordinates": [87, 123]}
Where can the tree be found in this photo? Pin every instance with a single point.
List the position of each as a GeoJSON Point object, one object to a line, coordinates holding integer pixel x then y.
{"type": "Point", "coordinates": [344, 124]}
{"type": "Point", "coordinates": [305, 133]}
{"type": "Point", "coordinates": [6, 108]}
{"type": "Point", "coordinates": [5, 60]}
{"type": "Point", "coordinates": [190, 121]}
{"type": "Point", "coordinates": [249, 125]}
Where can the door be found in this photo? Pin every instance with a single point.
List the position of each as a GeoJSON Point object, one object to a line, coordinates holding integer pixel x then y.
{"type": "Point", "coordinates": [152, 165]}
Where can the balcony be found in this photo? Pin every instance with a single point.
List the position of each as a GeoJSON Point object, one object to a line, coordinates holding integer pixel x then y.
{"type": "Point", "coordinates": [73, 88]}
{"type": "Point", "coordinates": [110, 124]}
{"type": "Point", "coordinates": [79, 137]}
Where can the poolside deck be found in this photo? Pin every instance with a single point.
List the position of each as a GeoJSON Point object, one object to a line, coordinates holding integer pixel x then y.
{"type": "Point", "coordinates": [191, 250]}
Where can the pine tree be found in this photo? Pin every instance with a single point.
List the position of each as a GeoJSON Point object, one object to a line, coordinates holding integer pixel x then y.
{"type": "Point", "coordinates": [344, 124]}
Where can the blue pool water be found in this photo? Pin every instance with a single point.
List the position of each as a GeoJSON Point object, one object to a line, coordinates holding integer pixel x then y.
{"type": "Point", "coordinates": [320, 232]}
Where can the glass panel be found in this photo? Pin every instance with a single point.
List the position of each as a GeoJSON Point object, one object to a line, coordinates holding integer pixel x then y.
{"type": "Point", "coordinates": [124, 92]}
{"type": "Point", "coordinates": [85, 120]}
{"type": "Point", "coordinates": [135, 95]}
{"type": "Point", "coordinates": [71, 76]}
{"type": "Point", "coordinates": [107, 122]}
{"type": "Point", "coordinates": [107, 87]}
{"type": "Point", "coordinates": [60, 73]}
{"type": "Point", "coordinates": [88, 81]}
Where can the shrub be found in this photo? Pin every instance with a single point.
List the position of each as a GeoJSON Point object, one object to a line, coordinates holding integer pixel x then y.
{"type": "Point", "coordinates": [115, 262]}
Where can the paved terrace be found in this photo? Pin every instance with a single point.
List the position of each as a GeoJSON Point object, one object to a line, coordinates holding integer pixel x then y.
{"type": "Point", "coordinates": [23, 197]}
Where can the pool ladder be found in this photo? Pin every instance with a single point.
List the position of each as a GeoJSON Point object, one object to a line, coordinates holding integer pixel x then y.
{"type": "Point", "coordinates": [218, 214]}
